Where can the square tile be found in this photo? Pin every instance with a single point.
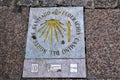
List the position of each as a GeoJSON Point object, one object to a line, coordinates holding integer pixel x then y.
{"type": "Point", "coordinates": [55, 43]}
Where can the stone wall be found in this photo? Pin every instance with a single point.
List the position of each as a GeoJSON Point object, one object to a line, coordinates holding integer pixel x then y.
{"type": "Point", "coordinates": [102, 31]}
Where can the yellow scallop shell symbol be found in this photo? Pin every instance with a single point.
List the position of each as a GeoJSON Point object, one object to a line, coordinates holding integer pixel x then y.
{"type": "Point", "coordinates": [49, 27]}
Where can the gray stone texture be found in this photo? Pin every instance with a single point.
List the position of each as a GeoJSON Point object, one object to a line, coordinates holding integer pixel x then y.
{"type": "Point", "coordinates": [85, 3]}
{"type": "Point", "coordinates": [5, 2]}
{"type": "Point", "coordinates": [51, 3]}
{"type": "Point", "coordinates": [57, 3]}
{"type": "Point", "coordinates": [102, 42]}
{"type": "Point", "coordinates": [12, 41]}
{"type": "Point", "coordinates": [106, 3]}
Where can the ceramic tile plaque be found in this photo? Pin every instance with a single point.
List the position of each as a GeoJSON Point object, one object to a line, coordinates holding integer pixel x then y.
{"type": "Point", "coordinates": [55, 43]}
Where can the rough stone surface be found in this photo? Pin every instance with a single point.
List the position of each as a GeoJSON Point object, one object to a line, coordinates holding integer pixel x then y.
{"type": "Point", "coordinates": [102, 42]}
{"type": "Point", "coordinates": [29, 2]}
{"type": "Point", "coordinates": [1, 34]}
{"type": "Point", "coordinates": [85, 3]}
{"type": "Point", "coordinates": [106, 3]}
{"type": "Point", "coordinates": [89, 3]}
{"type": "Point", "coordinates": [13, 41]}
{"type": "Point", "coordinates": [119, 3]}
{"type": "Point", "coordinates": [5, 2]}
{"type": "Point", "coordinates": [53, 3]}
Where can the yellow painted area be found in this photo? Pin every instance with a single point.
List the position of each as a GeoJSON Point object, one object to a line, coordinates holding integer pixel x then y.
{"type": "Point", "coordinates": [56, 35]}
{"type": "Point", "coordinates": [60, 31]}
{"type": "Point", "coordinates": [41, 28]}
{"type": "Point", "coordinates": [47, 34]}
{"type": "Point", "coordinates": [45, 28]}
{"type": "Point", "coordinates": [51, 26]}
{"type": "Point", "coordinates": [69, 31]}
{"type": "Point", "coordinates": [51, 31]}
{"type": "Point", "coordinates": [52, 22]}
{"type": "Point", "coordinates": [60, 25]}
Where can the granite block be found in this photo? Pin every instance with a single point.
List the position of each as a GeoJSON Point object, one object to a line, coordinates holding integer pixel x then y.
{"type": "Point", "coordinates": [50, 2]}
{"type": "Point", "coordinates": [5, 2]}
{"type": "Point", "coordinates": [105, 79]}
{"type": "Point", "coordinates": [102, 42]}
{"type": "Point", "coordinates": [106, 3]}
{"type": "Point", "coordinates": [13, 41]}
{"type": "Point", "coordinates": [89, 4]}
{"type": "Point", "coordinates": [2, 47]}
{"type": "Point", "coordinates": [57, 3]}
{"type": "Point", "coordinates": [52, 79]}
